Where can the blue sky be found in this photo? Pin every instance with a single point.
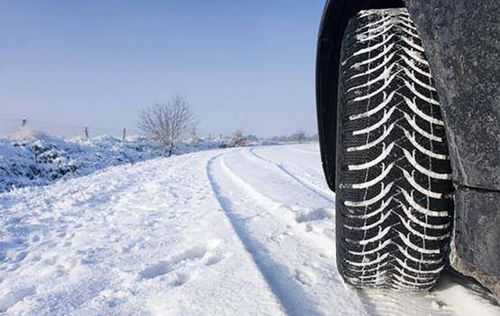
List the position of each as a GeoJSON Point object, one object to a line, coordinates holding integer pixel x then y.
{"type": "Point", "coordinates": [241, 64]}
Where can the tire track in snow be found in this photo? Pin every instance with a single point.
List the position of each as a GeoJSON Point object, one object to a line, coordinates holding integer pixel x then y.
{"type": "Point", "coordinates": [302, 285]}
{"type": "Point", "coordinates": [308, 185]}
{"type": "Point", "coordinates": [292, 298]}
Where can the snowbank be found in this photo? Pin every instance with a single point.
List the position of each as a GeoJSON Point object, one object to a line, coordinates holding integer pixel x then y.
{"type": "Point", "coordinates": [30, 157]}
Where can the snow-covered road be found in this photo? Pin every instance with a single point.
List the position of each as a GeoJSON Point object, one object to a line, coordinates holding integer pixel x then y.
{"type": "Point", "coordinates": [231, 232]}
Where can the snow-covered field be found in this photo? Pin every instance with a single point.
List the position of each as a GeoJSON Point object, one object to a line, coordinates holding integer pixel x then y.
{"type": "Point", "coordinates": [224, 232]}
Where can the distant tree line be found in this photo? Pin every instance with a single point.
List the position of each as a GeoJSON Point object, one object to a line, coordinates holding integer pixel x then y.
{"type": "Point", "coordinates": [299, 136]}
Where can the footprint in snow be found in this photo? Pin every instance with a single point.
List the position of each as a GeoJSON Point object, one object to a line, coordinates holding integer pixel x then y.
{"type": "Point", "coordinates": [183, 277]}
{"type": "Point", "coordinates": [186, 263]}
{"type": "Point", "coordinates": [214, 259]}
{"type": "Point", "coordinates": [305, 277]}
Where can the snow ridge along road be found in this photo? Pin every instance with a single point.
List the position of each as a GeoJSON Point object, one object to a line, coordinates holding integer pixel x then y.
{"type": "Point", "coordinates": [241, 231]}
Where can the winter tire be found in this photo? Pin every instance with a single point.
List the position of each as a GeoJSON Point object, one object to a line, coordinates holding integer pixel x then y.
{"type": "Point", "coordinates": [393, 176]}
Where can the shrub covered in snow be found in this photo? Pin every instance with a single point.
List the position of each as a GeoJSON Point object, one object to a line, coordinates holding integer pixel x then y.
{"type": "Point", "coordinates": [34, 158]}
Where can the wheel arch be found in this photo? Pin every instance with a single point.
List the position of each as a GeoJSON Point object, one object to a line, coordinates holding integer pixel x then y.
{"type": "Point", "coordinates": [336, 15]}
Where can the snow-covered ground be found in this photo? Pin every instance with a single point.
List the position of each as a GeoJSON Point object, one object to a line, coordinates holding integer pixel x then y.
{"type": "Point", "coordinates": [224, 232]}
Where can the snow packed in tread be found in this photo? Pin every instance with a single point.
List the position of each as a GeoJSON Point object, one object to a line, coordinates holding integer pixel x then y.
{"type": "Point", "coordinates": [394, 176]}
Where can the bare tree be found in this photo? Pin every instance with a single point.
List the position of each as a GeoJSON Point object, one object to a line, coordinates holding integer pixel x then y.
{"type": "Point", "coordinates": [167, 123]}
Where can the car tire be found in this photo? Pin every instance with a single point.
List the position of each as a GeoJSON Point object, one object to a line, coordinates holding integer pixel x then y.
{"type": "Point", "coordinates": [393, 174]}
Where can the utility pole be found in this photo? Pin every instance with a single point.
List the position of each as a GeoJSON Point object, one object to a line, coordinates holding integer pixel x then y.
{"type": "Point", "coordinates": [124, 135]}
{"type": "Point", "coordinates": [86, 132]}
